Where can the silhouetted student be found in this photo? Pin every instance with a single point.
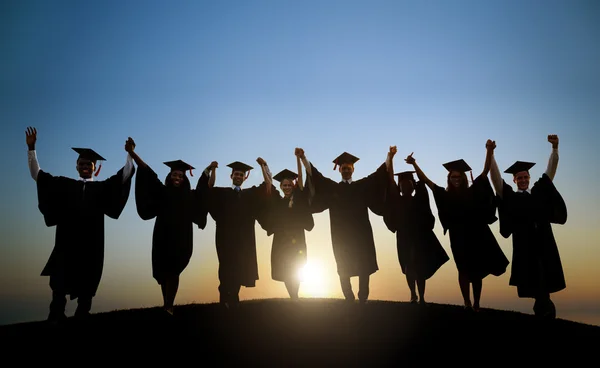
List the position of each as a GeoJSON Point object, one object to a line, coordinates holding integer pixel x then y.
{"type": "Point", "coordinates": [77, 209]}
{"type": "Point", "coordinates": [176, 208]}
{"type": "Point", "coordinates": [466, 213]}
{"type": "Point", "coordinates": [420, 253]}
{"type": "Point", "coordinates": [527, 215]}
{"type": "Point", "coordinates": [235, 211]}
{"type": "Point", "coordinates": [287, 219]}
{"type": "Point", "coordinates": [349, 202]}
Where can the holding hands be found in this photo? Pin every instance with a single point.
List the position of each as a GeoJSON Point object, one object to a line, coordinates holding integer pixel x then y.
{"type": "Point", "coordinates": [261, 161]}
{"type": "Point", "coordinates": [129, 145]}
{"type": "Point", "coordinates": [490, 145]}
{"type": "Point", "coordinates": [299, 152]}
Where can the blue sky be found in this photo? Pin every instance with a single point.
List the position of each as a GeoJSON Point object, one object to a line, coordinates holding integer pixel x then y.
{"type": "Point", "coordinates": [236, 80]}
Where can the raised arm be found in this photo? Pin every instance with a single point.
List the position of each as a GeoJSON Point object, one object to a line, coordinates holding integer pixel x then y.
{"type": "Point", "coordinates": [553, 160]}
{"type": "Point", "coordinates": [489, 152]}
{"type": "Point", "coordinates": [266, 173]}
{"type": "Point", "coordinates": [420, 174]}
{"type": "Point", "coordinates": [299, 181]}
{"type": "Point", "coordinates": [130, 148]}
{"type": "Point", "coordinates": [211, 173]}
{"type": "Point", "coordinates": [30, 139]}
{"type": "Point", "coordinates": [389, 162]}
{"type": "Point", "coordinates": [494, 172]}
{"type": "Point", "coordinates": [299, 152]}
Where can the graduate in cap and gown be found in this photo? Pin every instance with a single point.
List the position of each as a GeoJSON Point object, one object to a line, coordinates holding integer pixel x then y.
{"type": "Point", "coordinates": [235, 212]}
{"type": "Point", "coordinates": [288, 217]}
{"type": "Point", "coordinates": [349, 202]}
{"type": "Point", "coordinates": [465, 212]}
{"type": "Point", "coordinates": [527, 214]}
{"type": "Point", "coordinates": [409, 215]}
{"type": "Point", "coordinates": [77, 208]}
{"type": "Point", "coordinates": [176, 208]}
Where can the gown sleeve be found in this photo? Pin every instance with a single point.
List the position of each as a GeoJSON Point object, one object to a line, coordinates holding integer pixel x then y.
{"type": "Point", "coordinates": [50, 191]}
{"type": "Point", "coordinates": [323, 187]}
{"type": "Point", "coordinates": [485, 199]}
{"type": "Point", "coordinates": [148, 193]}
{"type": "Point", "coordinates": [554, 207]}
{"type": "Point", "coordinates": [116, 193]}
{"type": "Point", "coordinates": [376, 189]}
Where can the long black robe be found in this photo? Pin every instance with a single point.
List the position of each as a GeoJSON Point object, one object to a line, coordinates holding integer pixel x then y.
{"type": "Point", "coordinates": [235, 215]}
{"type": "Point", "coordinates": [351, 231]}
{"type": "Point", "coordinates": [536, 266]}
{"type": "Point", "coordinates": [467, 217]}
{"type": "Point", "coordinates": [287, 225]}
{"type": "Point", "coordinates": [420, 252]}
{"type": "Point", "coordinates": [175, 210]}
{"type": "Point", "coordinates": [77, 209]}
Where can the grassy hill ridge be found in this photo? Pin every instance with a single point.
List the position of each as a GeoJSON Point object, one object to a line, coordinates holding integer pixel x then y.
{"type": "Point", "coordinates": [312, 332]}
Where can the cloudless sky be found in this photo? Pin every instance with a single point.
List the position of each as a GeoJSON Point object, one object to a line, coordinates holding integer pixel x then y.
{"type": "Point", "coordinates": [234, 80]}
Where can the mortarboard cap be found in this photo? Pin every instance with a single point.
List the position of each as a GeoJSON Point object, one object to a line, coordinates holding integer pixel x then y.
{"type": "Point", "coordinates": [240, 166]}
{"type": "Point", "coordinates": [519, 166]}
{"type": "Point", "coordinates": [180, 165]}
{"type": "Point", "coordinates": [344, 158]}
{"type": "Point", "coordinates": [285, 174]}
{"type": "Point", "coordinates": [88, 154]}
{"type": "Point", "coordinates": [406, 175]}
{"type": "Point", "coordinates": [458, 165]}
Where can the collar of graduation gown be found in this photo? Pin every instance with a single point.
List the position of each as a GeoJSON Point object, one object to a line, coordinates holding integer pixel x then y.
{"type": "Point", "coordinates": [521, 191]}
{"type": "Point", "coordinates": [86, 180]}
{"type": "Point", "coordinates": [349, 181]}
{"type": "Point", "coordinates": [234, 186]}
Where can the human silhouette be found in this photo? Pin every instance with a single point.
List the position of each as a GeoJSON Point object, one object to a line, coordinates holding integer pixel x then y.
{"type": "Point", "coordinates": [235, 212]}
{"type": "Point", "coordinates": [409, 215]}
{"type": "Point", "coordinates": [289, 216]}
{"type": "Point", "coordinates": [466, 213]}
{"type": "Point", "coordinates": [349, 202]}
{"type": "Point", "coordinates": [528, 214]}
{"type": "Point", "coordinates": [176, 208]}
{"type": "Point", "coordinates": [77, 208]}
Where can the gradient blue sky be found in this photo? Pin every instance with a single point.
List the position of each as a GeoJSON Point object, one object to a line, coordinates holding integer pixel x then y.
{"type": "Point", "coordinates": [235, 80]}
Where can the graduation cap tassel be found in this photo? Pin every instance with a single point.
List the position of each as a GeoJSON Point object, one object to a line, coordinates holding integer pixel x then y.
{"type": "Point", "coordinates": [335, 166]}
{"type": "Point", "coordinates": [191, 174]}
{"type": "Point", "coordinates": [98, 171]}
{"type": "Point", "coordinates": [471, 172]}
{"type": "Point", "coordinates": [247, 175]}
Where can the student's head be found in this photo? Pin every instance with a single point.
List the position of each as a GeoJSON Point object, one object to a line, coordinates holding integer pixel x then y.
{"type": "Point", "coordinates": [177, 177]}
{"type": "Point", "coordinates": [406, 182]}
{"type": "Point", "coordinates": [457, 177]}
{"type": "Point", "coordinates": [520, 173]}
{"type": "Point", "coordinates": [457, 180]}
{"type": "Point", "coordinates": [86, 162]}
{"type": "Point", "coordinates": [345, 162]}
{"type": "Point", "coordinates": [287, 181]}
{"type": "Point", "coordinates": [239, 172]}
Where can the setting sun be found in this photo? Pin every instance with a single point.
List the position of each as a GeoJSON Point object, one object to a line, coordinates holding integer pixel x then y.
{"type": "Point", "coordinates": [313, 280]}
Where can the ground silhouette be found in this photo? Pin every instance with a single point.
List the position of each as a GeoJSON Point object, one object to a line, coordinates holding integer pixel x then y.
{"type": "Point", "coordinates": [308, 333]}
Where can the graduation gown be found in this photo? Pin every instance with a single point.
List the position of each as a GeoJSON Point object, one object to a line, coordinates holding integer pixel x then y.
{"type": "Point", "coordinates": [536, 265]}
{"type": "Point", "coordinates": [175, 210]}
{"type": "Point", "coordinates": [467, 217]}
{"type": "Point", "coordinates": [420, 253]}
{"type": "Point", "coordinates": [351, 231]}
{"type": "Point", "coordinates": [235, 215]}
{"type": "Point", "coordinates": [287, 225]}
{"type": "Point", "coordinates": [77, 209]}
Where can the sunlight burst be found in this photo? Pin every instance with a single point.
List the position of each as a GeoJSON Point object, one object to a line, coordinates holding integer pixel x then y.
{"type": "Point", "coordinates": [312, 280]}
